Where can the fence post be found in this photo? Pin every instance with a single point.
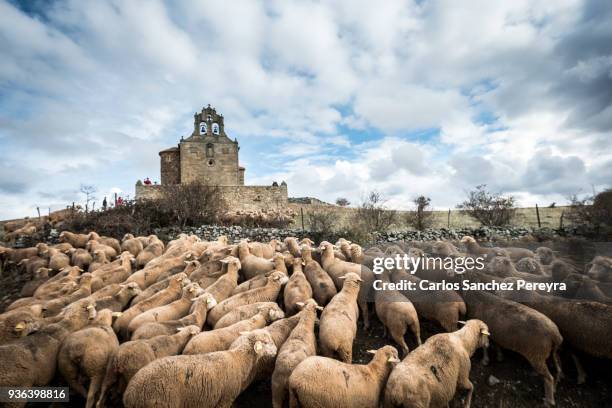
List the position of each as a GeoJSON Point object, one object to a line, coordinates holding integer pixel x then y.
{"type": "Point", "coordinates": [38, 210]}
{"type": "Point", "coordinates": [302, 214]}
{"type": "Point", "coordinates": [448, 222]}
{"type": "Point", "coordinates": [538, 215]}
{"type": "Point", "coordinates": [561, 220]}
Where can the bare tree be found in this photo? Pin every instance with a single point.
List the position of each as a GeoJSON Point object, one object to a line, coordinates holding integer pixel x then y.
{"type": "Point", "coordinates": [422, 217]}
{"type": "Point", "coordinates": [342, 202]}
{"type": "Point", "coordinates": [593, 214]}
{"type": "Point", "coordinates": [491, 209]}
{"type": "Point", "coordinates": [89, 191]}
{"type": "Point", "coordinates": [373, 214]}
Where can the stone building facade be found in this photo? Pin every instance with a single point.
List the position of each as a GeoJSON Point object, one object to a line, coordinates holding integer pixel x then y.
{"type": "Point", "coordinates": [210, 156]}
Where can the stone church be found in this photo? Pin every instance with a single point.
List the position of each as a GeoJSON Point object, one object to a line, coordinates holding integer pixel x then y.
{"type": "Point", "coordinates": [210, 156]}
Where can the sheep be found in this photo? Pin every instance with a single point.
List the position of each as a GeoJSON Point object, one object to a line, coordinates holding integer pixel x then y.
{"type": "Point", "coordinates": [37, 353]}
{"type": "Point", "coordinates": [187, 269]}
{"type": "Point", "coordinates": [53, 307]}
{"type": "Point", "coordinates": [76, 240]}
{"type": "Point", "coordinates": [115, 272]}
{"type": "Point", "coordinates": [248, 311]}
{"type": "Point", "coordinates": [221, 376]}
{"type": "Point", "coordinates": [337, 268]}
{"type": "Point", "coordinates": [474, 249]}
{"type": "Point", "coordinates": [80, 257]}
{"type": "Point", "coordinates": [131, 244]}
{"type": "Point", "coordinates": [155, 288]}
{"type": "Point", "coordinates": [339, 321]}
{"type": "Point", "coordinates": [253, 265]}
{"type": "Point", "coordinates": [324, 382]}
{"type": "Point", "coordinates": [445, 307]}
{"type": "Point", "coordinates": [58, 260]}
{"type": "Point", "coordinates": [224, 285]}
{"type": "Point", "coordinates": [293, 247]}
{"type": "Point", "coordinates": [397, 314]}
{"type": "Point", "coordinates": [323, 287]}
{"type": "Point", "coordinates": [118, 301]}
{"type": "Point", "coordinates": [529, 265]}
{"type": "Point", "coordinates": [99, 260]}
{"type": "Point", "coordinates": [297, 290]}
{"type": "Point", "coordinates": [600, 269]}
{"type": "Point", "coordinates": [584, 325]}
{"type": "Point", "coordinates": [131, 356]}
{"type": "Point", "coordinates": [516, 253]}
{"type": "Point", "coordinates": [431, 374]}
{"type": "Point", "coordinates": [108, 241]}
{"type": "Point", "coordinates": [196, 317]}
{"type": "Point", "coordinates": [544, 255]}
{"type": "Point", "coordinates": [222, 339]}
{"type": "Point", "coordinates": [172, 265]}
{"type": "Point", "coordinates": [41, 275]}
{"type": "Point", "coordinates": [14, 256]}
{"type": "Point", "coordinates": [170, 311]}
{"type": "Point", "coordinates": [150, 252]}
{"type": "Point", "coordinates": [267, 293]}
{"type": "Point", "coordinates": [521, 329]}
{"type": "Point", "coordinates": [301, 344]}
{"type": "Point", "coordinates": [31, 265]}
{"type": "Point", "coordinates": [85, 354]}
{"type": "Point", "coordinates": [19, 323]}
{"type": "Point", "coordinates": [163, 297]}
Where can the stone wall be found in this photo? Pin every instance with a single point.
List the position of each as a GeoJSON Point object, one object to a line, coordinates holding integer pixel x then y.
{"type": "Point", "coordinates": [243, 198]}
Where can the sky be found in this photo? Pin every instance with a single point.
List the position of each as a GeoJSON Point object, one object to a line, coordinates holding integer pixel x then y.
{"type": "Point", "coordinates": [337, 98]}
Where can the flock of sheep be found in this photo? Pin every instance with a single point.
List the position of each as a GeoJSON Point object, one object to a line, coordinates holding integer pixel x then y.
{"type": "Point", "coordinates": [193, 323]}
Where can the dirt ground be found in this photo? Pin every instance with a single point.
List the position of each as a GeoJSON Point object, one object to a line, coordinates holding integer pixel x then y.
{"type": "Point", "coordinates": [518, 385]}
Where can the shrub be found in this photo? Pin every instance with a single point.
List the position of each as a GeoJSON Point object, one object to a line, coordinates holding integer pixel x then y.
{"type": "Point", "coordinates": [490, 209]}
{"type": "Point", "coordinates": [342, 202]}
{"type": "Point", "coordinates": [182, 205]}
{"type": "Point", "coordinates": [592, 214]}
{"type": "Point", "coordinates": [422, 217]}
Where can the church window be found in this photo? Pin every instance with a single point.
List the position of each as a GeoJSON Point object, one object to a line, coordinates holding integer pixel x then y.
{"type": "Point", "coordinates": [203, 128]}
{"type": "Point", "coordinates": [211, 162]}
{"type": "Point", "coordinates": [215, 128]}
{"type": "Point", "coordinates": [210, 150]}
{"type": "Point", "coordinates": [208, 118]}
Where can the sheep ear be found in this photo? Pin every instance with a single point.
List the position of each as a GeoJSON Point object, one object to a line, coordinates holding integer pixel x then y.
{"type": "Point", "coordinates": [243, 333]}
{"type": "Point", "coordinates": [393, 360]}
{"type": "Point", "coordinates": [319, 307]}
{"type": "Point", "coordinates": [485, 332]}
{"type": "Point", "coordinates": [462, 322]}
{"type": "Point", "coordinates": [371, 351]}
{"type": "Point", "coordinates": [20, 326]}
{"type": "Point", "coordinates": [117, 314]}
{"type": "Point", "coordinates": [300, 304]}
{"type": "Point", "coordinates": [258, 347]}
{"type": "Point", "coordinates": [342, 277]}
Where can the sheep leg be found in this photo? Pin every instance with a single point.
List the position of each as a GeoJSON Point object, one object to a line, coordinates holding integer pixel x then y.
{"type": "Point", "coordinates": [94, 387]}
{"type": "Point", "coordinates": [346, 356]}
{"type": "Point", "coordinates": [469, 388]}
{"type": "Point", "coordinates": [363, 306]}
{"type": "Point", "coordinates": [557, 365]}
{"type": "Point", "coordinates": [398, 335]}
{"type": "Point", "coordinates": [293, 399]}
{"type": "Point", "coordinates": [71, 374]}
{"type": "Point", "coordinates": [485, 356]}
{"type": "Point", "coordinates": [416, 329]}
{"type": "Point", "coordinates": [580, 369]}
{"type": "Point", "coordinates": [549, 383]}
{"type": "Point", "coordinates": [278, 391]}
{"type": "Point", "coordinates": [110, 378]}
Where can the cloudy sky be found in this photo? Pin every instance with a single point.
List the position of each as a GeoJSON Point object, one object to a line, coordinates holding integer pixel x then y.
{"type": "Point", "coordinates": [337, 98]}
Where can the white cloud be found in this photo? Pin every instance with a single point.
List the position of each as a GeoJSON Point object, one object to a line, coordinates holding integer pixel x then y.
{"type": "Point", "coordinates": [340, 97]}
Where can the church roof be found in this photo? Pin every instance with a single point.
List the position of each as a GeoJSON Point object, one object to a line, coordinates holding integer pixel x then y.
{"type": "Point", "coordinates": [170, 149]}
